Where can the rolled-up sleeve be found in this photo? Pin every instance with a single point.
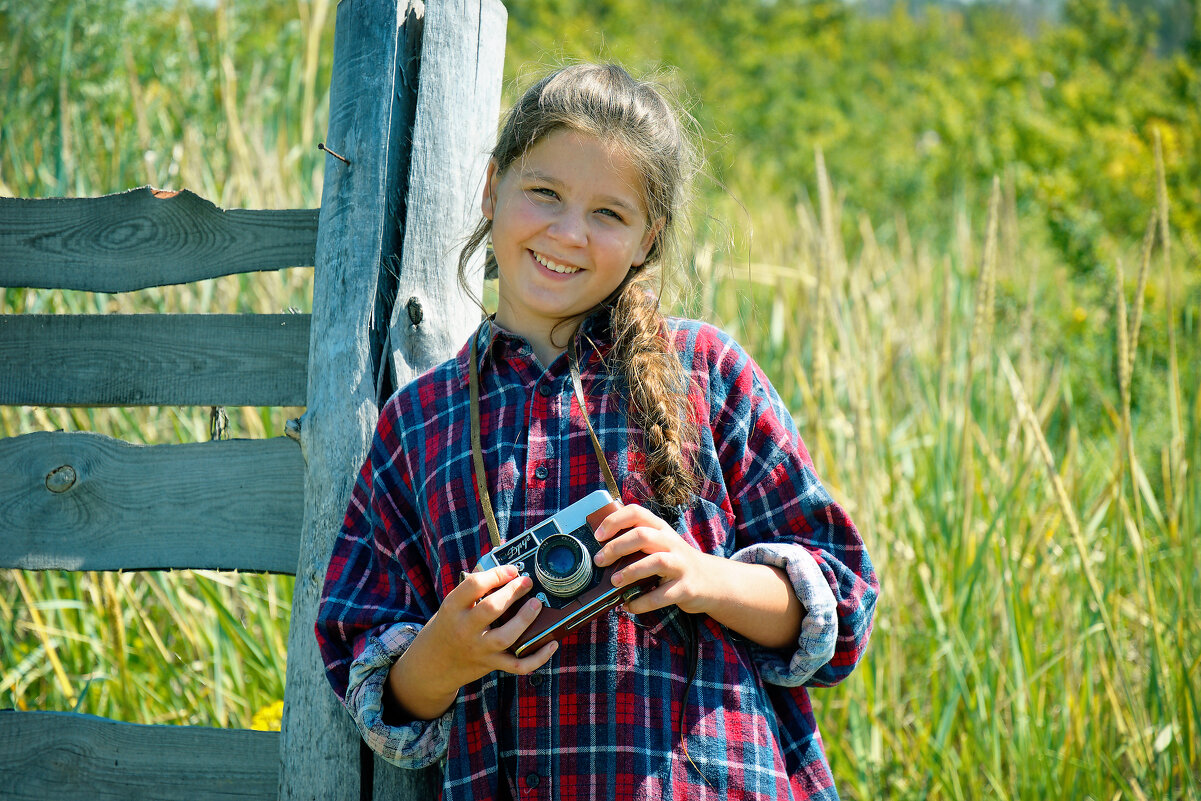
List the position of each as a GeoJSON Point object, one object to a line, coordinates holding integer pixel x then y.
{"type": "Point", "coordinates": [780, 508]}
{"type": "Point", "coordinates": [407, 744]}
{"type": "Point", "coordinates": [819, 625]}
{"type": "Point", "coordinates": [378, 593]}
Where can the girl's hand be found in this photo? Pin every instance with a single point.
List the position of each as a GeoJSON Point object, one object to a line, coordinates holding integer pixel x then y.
{"type": "Point", "coordinates": [459, 645]}
{"type": "Point", "coordinates": [688, 578]}
{"type": "Point", "coordinates": [462, 627]}
{"type": "Point", "coordinates": [756, 601]}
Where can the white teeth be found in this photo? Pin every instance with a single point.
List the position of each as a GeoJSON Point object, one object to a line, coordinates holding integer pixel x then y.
{"type": "Point", "coordinates": [552, 266]}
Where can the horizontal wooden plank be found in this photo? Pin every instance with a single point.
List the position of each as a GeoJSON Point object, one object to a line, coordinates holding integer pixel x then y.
{"type": "Point", "coordinates": [65, 756]}
{"type": "Point", "coordinates": [154, 359]}
{"type": "Point", "coordinates": [144, 238]}
{"type": "Point", "coordinates": [84, 501]}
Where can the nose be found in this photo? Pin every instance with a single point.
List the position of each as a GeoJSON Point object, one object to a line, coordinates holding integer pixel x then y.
{"type": "Point", "coordinates": [569, 228]}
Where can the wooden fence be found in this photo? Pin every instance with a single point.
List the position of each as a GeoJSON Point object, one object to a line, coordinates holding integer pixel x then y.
{"type": "Point", "coordinates": [413, 105]}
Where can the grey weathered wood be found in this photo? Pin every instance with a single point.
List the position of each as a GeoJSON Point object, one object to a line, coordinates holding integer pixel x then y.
{"type": "Point", "coordinates": [456, 109]}
{"type": "Point", "coordinates": [371, 101]}
{"type": "Point", "coordinates": [63, 756]}
{"type": "Point", "coordinates": [154, 359]}
{"type": "Point", "coordinates": [144, 238]}
{"type": "Point", "coordinates": [84, 501]}
{"type": "Point", "coordinates": [462, 57]}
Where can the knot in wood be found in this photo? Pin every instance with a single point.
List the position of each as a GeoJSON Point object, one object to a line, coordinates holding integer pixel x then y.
{"type": "Point", "coordinates": [61, 479]}
{"type": "Point", "coordinates": [416, 313]}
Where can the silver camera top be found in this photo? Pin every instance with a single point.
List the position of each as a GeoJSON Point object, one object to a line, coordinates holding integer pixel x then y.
{"type": "Point", "coordinates": [522, 547]}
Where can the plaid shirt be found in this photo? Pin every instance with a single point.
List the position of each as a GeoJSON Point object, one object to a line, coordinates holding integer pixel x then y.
{"type": "Point", "coordinates": [602, 718]}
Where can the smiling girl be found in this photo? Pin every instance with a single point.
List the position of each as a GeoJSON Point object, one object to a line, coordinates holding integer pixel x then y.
{"type": "Point", "coordinates": [762, 586]}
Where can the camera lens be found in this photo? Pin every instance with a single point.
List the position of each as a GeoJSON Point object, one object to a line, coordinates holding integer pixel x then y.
{"type": "Point", "coordinates": [563, 565]}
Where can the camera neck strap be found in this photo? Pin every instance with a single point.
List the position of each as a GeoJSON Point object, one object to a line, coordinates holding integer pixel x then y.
{"type": "Point", "coordinates": [477, 451]}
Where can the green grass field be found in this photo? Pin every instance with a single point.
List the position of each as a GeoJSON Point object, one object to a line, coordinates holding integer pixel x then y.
{"type": "Point", "coordinates": [1017, 442]}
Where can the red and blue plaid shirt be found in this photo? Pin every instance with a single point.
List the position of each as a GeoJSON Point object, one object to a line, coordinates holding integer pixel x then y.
{"type": "Point", "coordinates": [603, 718]}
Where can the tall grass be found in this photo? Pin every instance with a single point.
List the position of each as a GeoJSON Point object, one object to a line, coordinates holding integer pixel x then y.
{"type": "Point", "coordinates": [1015, 444]}
{"type": "Point", "coordinates": [1035, 635]}
{"type": "Point", "coordinates": [97, 103]}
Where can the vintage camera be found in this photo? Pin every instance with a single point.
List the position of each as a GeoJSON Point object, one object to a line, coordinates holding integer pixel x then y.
{"type": "Point", "coordinates": [557, 555]}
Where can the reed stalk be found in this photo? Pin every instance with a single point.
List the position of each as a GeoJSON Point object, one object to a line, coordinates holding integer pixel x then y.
{"type": "Point", "coordinates": [1176, 446]}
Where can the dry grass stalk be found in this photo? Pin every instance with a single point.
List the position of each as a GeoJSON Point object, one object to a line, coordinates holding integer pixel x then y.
{"type": "Point", "coordinates": [39, 626]}
{"type": "Point", "coordinates": [116, 631]}
{"type": "Point", "coordinates": [1125, 361]}
{"type": "Point", "coordinates": [1027, 415]}
{"type": "Point", "coordinates": [242, 178]}
{"type": "Point", "coordinates": [1027, 329]}
{"type": "Point", "coordinates": [1133, 523]}
{"type": "Point", "coordinates": [982, 319]}
{"type": "Point", "coordinates": [860, 389]}
{"type": "Point", "coordinates": [986, 291]}
{"type": "Point", "coordinates": [1140, 294]}
{"type": "Point", "coordinates": [825, 277]}
{"type": "Point", "coordinates": [314, 24]}
{"type": "Point", "coordinates": [1177, 444]}
{"type": "Point", "coordinates": [944, 334]}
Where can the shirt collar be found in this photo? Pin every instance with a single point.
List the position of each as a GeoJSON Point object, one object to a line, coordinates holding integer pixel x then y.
{"type": "Point", "coordinates": [492, 339]}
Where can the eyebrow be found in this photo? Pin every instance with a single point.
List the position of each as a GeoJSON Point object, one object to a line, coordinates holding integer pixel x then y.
{"type": "Point", "coordinates": [608, 200]}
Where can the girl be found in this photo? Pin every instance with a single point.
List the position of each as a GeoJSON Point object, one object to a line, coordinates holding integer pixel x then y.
{"type": "Point", "coordinates": [694, 689]}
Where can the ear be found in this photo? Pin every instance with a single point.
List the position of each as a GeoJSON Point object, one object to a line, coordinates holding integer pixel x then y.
{"type": "Point", "coordinates": [488, 201]}
{"type": "Point", "coordinates": [648, 239]}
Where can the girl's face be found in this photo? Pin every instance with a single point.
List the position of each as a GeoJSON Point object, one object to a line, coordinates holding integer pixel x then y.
{"type": "Point", "coordinates": [568, 223]}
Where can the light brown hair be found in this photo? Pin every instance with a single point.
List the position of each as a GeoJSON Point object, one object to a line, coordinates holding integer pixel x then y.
{"type": "Point", "coordinates": [605, 101]}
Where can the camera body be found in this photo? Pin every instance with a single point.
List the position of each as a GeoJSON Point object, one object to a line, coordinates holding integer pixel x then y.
{"type": "Point", "coordinates": [557, 555]}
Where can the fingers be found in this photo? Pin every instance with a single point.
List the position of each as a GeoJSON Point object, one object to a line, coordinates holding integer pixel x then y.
{"type": "Point", "coordinates": [476, 585]}
{"type": "Point", "coordinates": [470, 641]}
{"type": "Point", "coordinates": [642, 538]}
{"type": "Point", "coordinates": [628, 517]}
{"type": "Point", "coordinates": [528, 664]}
{"type": "Point", "coordinates": [496, 603]}
{"type": "Point", "coordinates": [660, 565]}
{"type": "Point", "coordinates": [685, 577]}
{"type": "Point", "coordinates": [504, 635]}
{"type": "Point", "coordinates": [657, 598]}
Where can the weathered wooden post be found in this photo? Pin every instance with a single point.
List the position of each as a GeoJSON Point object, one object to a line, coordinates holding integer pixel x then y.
{"type": "Point", "coordinates": [403, 199]}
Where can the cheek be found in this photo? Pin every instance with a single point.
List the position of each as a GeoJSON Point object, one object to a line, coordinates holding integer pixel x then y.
{"type": "Point", "coordinates": [619, 248]}
{"type": "Point", "coordinates": [506, 232]}
{"type": "Point", "coordinates": [515, 215]}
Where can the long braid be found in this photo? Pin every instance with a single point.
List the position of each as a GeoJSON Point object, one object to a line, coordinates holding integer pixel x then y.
{"type": "Point", "coordinates": [658, 386]}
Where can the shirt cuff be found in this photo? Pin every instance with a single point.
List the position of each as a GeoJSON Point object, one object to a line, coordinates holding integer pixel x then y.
{"type": "Point", "coordinates": [415, 744]}
{"type": "Point", "coordinates": [819, 626]}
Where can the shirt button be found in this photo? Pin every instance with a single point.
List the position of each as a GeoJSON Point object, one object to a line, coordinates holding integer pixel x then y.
{"type": "Point", "coordinates": [532, 779]}
{"type": "Point", "coordinates": [544, 390]}
{"type": "Point", "coordinates": [541, 473]}
{"type": "Point", "coordinates": [535, 680]}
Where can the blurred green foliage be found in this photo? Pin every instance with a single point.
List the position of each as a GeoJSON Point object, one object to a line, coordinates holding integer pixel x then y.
{"type": "Point", "coordinates": [911, 111]}
{"type": "Point", "coordinates": [103, 95]}
{"type": "Point", "coordinates": [915, 112]}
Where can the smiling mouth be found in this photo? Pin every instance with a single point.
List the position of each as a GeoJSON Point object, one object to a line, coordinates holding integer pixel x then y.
{"type": "Point", "coordinates": [554, 267]}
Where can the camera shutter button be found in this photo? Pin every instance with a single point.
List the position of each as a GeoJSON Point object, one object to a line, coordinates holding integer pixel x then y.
{"type": "Point", "coordinates": [541, 472]}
